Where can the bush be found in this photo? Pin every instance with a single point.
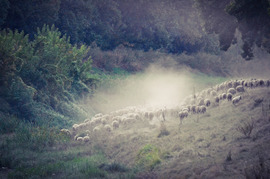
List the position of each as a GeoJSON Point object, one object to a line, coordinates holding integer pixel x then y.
{"type": "Point", "coordinates": [246, 128]}
{"type": "Point", "coordinates": [148, 157]}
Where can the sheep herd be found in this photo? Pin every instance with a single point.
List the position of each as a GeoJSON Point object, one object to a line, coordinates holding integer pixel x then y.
{"type": "Point", "coordinates": [194, 104]}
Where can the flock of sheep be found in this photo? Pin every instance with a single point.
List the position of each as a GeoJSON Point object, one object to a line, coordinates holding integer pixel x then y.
{"type": "Point", "coordinates": [194, 104]}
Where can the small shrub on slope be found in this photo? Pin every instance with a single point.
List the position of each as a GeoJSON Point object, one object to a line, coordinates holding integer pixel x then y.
{"type": "Point", "coordinates": [148, 157]}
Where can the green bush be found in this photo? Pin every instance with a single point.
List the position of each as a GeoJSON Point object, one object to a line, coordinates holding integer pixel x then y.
{"type": "Point", "coordinates": [43, 77]}
{"type": "Point", "coordinates": [148, 157]}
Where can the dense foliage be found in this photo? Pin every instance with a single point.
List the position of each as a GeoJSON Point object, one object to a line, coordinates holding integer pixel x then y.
{"type": "Point", "coordinates": [41, 78]}
{"type": "Point", "coordinates": [251, 17]}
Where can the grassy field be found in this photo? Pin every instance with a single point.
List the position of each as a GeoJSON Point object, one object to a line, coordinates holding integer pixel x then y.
{"type": "Point", "coordinates": [209, 145]}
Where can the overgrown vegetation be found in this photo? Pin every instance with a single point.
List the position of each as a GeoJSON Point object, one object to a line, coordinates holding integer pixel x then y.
{"type": "Point", "coordinates": [246, 128]}
{"type": "Point", "coordinates": [41, 79]}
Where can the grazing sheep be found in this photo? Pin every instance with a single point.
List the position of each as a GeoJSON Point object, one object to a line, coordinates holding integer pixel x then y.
{"type": "Point", "coordinates": [86, 138]}
{"type": "Point", "coordinates": [146, 114]}
{"type": "Point", "coordinates": [98, 115]}
{"type": "Point", "coordinates": [217, 99]}
{"type": "Point", "coordinates": [108, 128]}
{"type": "Point", "coordinates": [201, 102]}
{"type": "Point", "coordinates": [240, 89]}
{"type": "Point", "coordinates": [96, 129]}
{"type": "Point", "coordinates": [236, 99]}
{"type": "Point", "coordinates": [182, 115]}
{"type": "Point", "coordinates": [224, 95]}
{"type": "Point", "coordinates": [229, 96]}
{"type": "Point", "coordinates": [198, 109]}
{"type": "Point", "coordinates": [209, 91]}
{"type": "Point", "coordinates": [193, 109]}
{"type": "Point", "coordinates": [220, 97]}
{"type": "Point", "coordinates": [232, 91]}
{"type": "Point", "coordinates": [236, 83]}
{"type": "Point", "coordinates": [151, 116]}
{"type": "Point", "coordinates": [213, 93]}
{"type": "Point", "coordinates": [261, 83]}
{"type": "Point", "coordinates": [267, 83]}
{"type": "Point", "coordinates": [207, 102]}
{"type": "Point", "coordinates": [80, 139]}
{"type": "Point", "coordinates": [203, 109]}
{"type": "Point", "coordinates": [229, 84]}
{"type": "Point", "coordinates": [115, 124]}
{"type": "Point", "coordinates": [104, 121]}
{"type": "Point", "coordinates": [66, 131]}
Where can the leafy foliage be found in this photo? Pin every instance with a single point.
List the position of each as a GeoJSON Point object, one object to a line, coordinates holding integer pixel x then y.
{"type": "Point", "coordinates": [41, 78]}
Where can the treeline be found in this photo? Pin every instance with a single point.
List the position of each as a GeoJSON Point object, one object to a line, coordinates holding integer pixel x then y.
{"type": "Point", "coordinates": [174, 26]}
{"type": "Point", "coordinates": [251, 17]}
{"type": "Point", "coordinates": [135, 24]}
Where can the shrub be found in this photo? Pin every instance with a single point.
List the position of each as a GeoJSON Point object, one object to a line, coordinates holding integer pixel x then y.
{"type": "Point", "coordinates": [148, 157]}
{"type": "Point", "coordinates": [246, 128]}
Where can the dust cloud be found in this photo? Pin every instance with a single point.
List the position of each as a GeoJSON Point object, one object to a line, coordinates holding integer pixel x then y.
{"type": "Point", "coordinates": [157, 86]}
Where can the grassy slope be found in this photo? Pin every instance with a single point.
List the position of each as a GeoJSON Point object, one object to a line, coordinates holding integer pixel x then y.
{"type": "Point", "coordinates": [200, 149]}
{"type": "Point", "coordinates": [195, 150]}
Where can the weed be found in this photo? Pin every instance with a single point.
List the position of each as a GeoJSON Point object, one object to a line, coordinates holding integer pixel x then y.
{"type": "Point", "coordinates": [246, 128]}
{"type": "Point", "coordinates": [229, 156]}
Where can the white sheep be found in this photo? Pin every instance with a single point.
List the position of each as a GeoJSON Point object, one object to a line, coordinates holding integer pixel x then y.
{"type": "Point", "coordinates": [198, 109]}
{"type": "Point", "coordinates": [108, 128]}
{"type": "Point", "coordinates": [75, 127]}
{"type": "Point", "coordinates": [236, 99]}
{"type": "Point", "coordinates": [240, 89]}
{"type": "Point", "coordinates": [207, 102]}
{"type": "Point", "coordinates": [213, 93]}
{"type": "Point", "coordinates": [115, 124]}
{"type": "Point", "coordinates": [103, 121]}
{"type": "Point", "coordinates": [193, 109]}
{"type": "Point", "coordinates": [151, 116]}
{"type": "Point", "coordinates": [261, 83]}
{"type": "Point", "coordinates": [98, 115]}
{"type": "Point", "coordinates": [229, 96]}
{"type": "Point", "coordinates": [201, 102]}
{"type": "Point", "coordinates": [80, 139]}
{"type": "Point", "coordinates": [86, 138]}
{"type": "Point", "coordinates": [182, 115]}
{"type": "Point", "coordinates": [217, 99]}
{"type": "Point", "coordinates": [224, 95]}
{"type": "Point", "coordinates": [66, 131]}
{"type": "Point", "coordinates": [202, 109]}
{"type": "Point", "coordinates": [231, 90]}
{"type": "Point", "coordinates": [236, 83]}
{"type": "Point", "coordinates": [229, 84]}
{"type": "Point", "coordinates": [86, 120]}
{"type": "Point", "coordinates": [267, 83]}
{"type": "Point", "coordinates": [96, 129]}
{"type": "Point", "coordinates": [220, 97]}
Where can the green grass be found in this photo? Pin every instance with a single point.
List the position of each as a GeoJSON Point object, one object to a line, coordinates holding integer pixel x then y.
{"type": "Point", "coordinates": [148, 157]}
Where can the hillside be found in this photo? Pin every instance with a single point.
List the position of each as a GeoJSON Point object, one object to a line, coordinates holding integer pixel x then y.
{"type": "Point", "coordinates": [205, 145]}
